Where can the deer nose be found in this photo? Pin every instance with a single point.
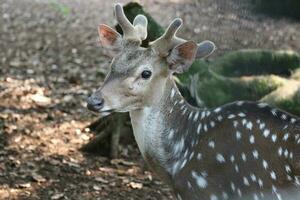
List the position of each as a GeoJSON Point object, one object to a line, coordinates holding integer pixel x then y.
{"type": "Point", "coordinates": [95, 103]}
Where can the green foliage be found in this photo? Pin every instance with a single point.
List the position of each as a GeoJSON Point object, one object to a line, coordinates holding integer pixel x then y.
{"type": "Point", "coordinates": [243, 75]}
{"type": "Point", "coordinates": [257, 62]}
{"type": "Point", "coordinates": [64, 10]}
{"type": "Point", "coordinates": [290, 105]}
{"type": "Point", "coordinates": [289, 8]}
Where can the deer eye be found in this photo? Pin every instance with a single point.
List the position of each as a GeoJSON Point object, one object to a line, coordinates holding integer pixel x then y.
{"type": "Point", "coordinates": [146, 74]}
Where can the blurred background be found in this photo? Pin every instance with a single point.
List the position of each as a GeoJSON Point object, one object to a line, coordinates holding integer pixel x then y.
{"type": "Point", "coordinates": [51, 147]}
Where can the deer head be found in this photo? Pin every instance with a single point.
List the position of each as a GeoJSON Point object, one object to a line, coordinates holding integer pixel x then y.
{"type": "Point", "coordinates": [137, 75]}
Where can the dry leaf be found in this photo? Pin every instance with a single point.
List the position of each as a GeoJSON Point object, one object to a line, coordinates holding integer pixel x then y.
{"type": "Point", "coordinates": [38, 178]}
{"type": "Point", "coordinates": [57, 196]}
{"type": "Point", "coordinates": [135, 185]}
{"type": "Point", "coordinates": [99, 179]}
{"type": "Point", "coordinates": [40, 99]}
{"type": "Point", "coordinates": [96, 187]}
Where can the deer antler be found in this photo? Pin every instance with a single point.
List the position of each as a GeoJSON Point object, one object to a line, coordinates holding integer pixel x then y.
{"type": "Point", "coordinates": [135, 31]}
{"type": "Point", "coordinates": [169, 40]}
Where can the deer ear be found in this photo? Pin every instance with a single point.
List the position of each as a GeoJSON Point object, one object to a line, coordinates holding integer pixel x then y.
{"type": "Point", "coordinates": [205, 48]}
{"type": "Point", "coordinates": [182, 56]}
{"type": "Point", "coordinates": [110, 39]}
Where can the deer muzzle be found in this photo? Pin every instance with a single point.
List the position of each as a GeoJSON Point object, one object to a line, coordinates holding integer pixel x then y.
{"type": "Point", "coordinates": [95, 103]}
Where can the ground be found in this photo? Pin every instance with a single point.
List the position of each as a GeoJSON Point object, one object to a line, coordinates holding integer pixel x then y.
{"type": "Point", "coordinates": [50, 61]}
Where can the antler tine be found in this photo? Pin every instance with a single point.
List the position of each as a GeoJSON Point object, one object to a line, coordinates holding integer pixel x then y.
{"type": "Point", "coordinates": [172, 29]}
{"type": "Point", "coordinates": [127, 27]}
{"type": "Point", "coordinates": [168, 40]}
{"type": "Point", "coordinates": [135, 31]}
{"type": "Point", "coordinates": [140, 23]}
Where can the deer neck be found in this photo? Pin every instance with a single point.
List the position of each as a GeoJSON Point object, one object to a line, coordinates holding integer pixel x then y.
{"type": "Point", "coordinates": [158, 129]}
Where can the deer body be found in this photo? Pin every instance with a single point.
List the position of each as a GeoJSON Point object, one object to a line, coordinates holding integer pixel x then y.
{"type": "Point", "coordinates": [241, 150]}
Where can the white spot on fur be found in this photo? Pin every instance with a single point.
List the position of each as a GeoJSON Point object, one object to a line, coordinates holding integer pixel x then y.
{"type": "Point", "coordinates": [262, 105]}
{"type": "Point", "coordinates": [255, 154]}
{"type": "Point", "coordinates": [287, 168]}
{"type": "Point", "coordinates": [253, 177]}
{"type": "Point", "coordinates": [171, 134]}
{"type": "Point", "coordinates": [249, 125]}
{"type": "Point", "coordinates": [246, 182]}
{"type": "Point", "coordinates": [274, 112]}
{"type": "Point", "coordinates": [265, 164]}
{"type": "Point", "coordinates": [217, 109]}
{"type": "Point", "coordinates": [183, 164]}
{"type": "Point", "coordinates": [274, 137]}
{"type": "Point", "coordinates": [212, 124]}
{"type": "Point", "coordinates": [244, 158]}
{"type": "Point", "coordinates": [171, 110]}
{"type": "Point", "coordinates": [220, 158]}
{"type": "Point", "coordinates": [199, 128]}
{"type": "Point", "coordinates": [242, 114]}
{"type": "Point", "coordinates": [231, 116]}
{"type": "Point", "coordinates": [196, 116]}
{"type": "Point", "coordinates": [232, 158]}
{"type": "Point", "coordinates": [213, 197]}
{"type": "Point", "coordinates": [280, 151]}
{"type": "Point", "coordinates": [211, 144]}
{"type": "Point", "coordinates": [232, 186]}
{"type": "Point", "coordinates": [266, 132]}
{"type": "Point", "coordinates": [283, 116]}
{"type": "Point", "coordinates": [179, 146]}
{"type": "Point", "coordinates": [238, 135]}
{"type": "Point", "coordinates": [205, 127]}
{"type": "Point", "coordinates": [286, 136]}
{"type": "Point", "coordinates": [225, 195]}
{"type": "Point", "coordinates": [200, 180]}
{"type": "Point", "coordinates": [235, 123]}
{"type": "Point", "coordinates": [191, 155]}
{"type": "Point", "coordinates": [252, 139]}
{"type": "Point", "coordinates": [239, 192]}
{"type": "Point", "coordinates": [262, 126]}
{"type": "Point", "coordinates": [286, 153]}
{"type": "Point", "coordinates": [244, 121]}
{"type": "Point", "coordinates": [260, 183]}
{"type": "Point", "coordinates": [207, 113]}
{"type": "Point", "coordinates": [236, 167]}
{"type": "Point", "coordinates": [219, 118]}
{"type": "Point", "coordinates": [202, 115]}
{"type": "Point", "coordinates": [190, 115]}
{"type": "Point", "coordinates": [179, 197]}
{"type": "Point", "coordinates": [239, 103]}
{"type": "Point", "coordinates": [199, 156]}
{"type": "Point", "coordinates": [273, 175]}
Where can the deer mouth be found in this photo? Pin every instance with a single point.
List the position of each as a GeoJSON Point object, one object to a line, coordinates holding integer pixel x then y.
{"type": "Point", "coordinates": [106, 112]}
{"type": "Point", "coordinates": [98, 109]}
{"type": "Point", "coordinates": [103, 113]}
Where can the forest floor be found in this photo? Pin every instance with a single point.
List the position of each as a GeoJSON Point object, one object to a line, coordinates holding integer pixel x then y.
{"type": "Point", "coordinates": [50, 61]}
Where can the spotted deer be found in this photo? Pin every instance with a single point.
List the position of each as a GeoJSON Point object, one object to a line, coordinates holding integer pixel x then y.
{"type": "Point", "coordinates": [241, 150]}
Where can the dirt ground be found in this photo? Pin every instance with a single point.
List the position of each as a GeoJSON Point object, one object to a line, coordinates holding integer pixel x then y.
{"type": "Point", "coordinates": [50, 61]}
